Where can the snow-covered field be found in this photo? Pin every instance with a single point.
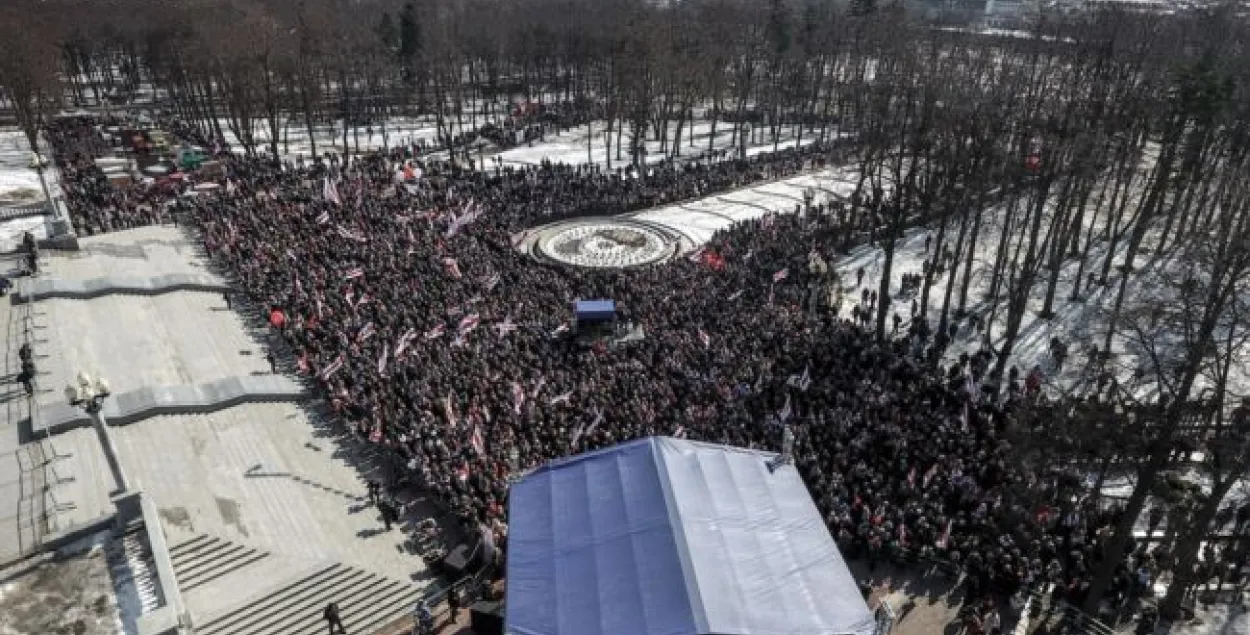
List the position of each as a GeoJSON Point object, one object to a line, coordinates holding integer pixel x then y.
{"type": "Point", "coordinates": [293, 140]}
{"type": "Point", "coordinates": [570, 146]}
{"type": "Point", "coordinates": [18, 182]}
{"type": "Point", "coordinates": [698, 220]}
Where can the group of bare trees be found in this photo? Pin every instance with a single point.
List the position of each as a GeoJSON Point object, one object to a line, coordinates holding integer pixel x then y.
{"type": "Point", "coordinates": [1100, 156]}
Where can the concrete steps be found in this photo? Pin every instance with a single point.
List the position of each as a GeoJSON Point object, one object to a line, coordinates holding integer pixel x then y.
{"type": "Point", "coordinates": [137, 553]}
{"type": "Point", "coordinates": [367, 601]}
{"type": "Point", "coordinates": [205, 558]}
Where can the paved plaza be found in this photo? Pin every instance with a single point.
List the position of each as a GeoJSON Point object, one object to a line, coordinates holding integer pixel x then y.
{"type": "Point", "coordinates": [262, 478]}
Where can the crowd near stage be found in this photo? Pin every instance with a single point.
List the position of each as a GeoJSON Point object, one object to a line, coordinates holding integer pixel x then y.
{"type": "Point", "coordinates": [402, 299]}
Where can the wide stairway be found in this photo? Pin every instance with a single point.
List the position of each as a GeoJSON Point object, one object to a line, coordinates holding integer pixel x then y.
{"type": "Point", "coordinates": [293, 603]}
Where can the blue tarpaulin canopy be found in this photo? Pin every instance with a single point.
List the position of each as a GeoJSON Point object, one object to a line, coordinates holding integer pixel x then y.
{"type": "Point", "coordinates": [662, 536]}
{"type": "Point", "coordinates": [594, 310]}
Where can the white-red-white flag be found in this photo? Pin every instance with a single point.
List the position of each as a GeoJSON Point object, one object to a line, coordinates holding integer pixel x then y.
{"type": "Point", "coordinates": [468, 323]}
{"type": "Point", "coordinates": [476, 440]}
{"type": "Point", "coordinates": [436, 332]}
{"type": "Point", "coordinates": [382, 359]}
{"type": "Point", "coordinates": [334, 367]}
{"type": "Point", "coordinates": [781, 275]}
{"type": "Point", "coordinates": [403, 342]}
{"type": "Point", "coordinates": [331, 192]}
{"type": "Point", "coordinates": [518, 397]}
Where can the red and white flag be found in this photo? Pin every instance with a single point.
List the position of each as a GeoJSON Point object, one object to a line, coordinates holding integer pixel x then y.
{"type": "Point", "coordinates": [350, 235]}
{"type": "Point", "coordinates": [476, 440]}
{"type": "Point", "coordinates": [505, 327]}
{"type": "Point", "coordinates": [331, 192]}
{"type": "Point", "coordinates": [449, 410]}
{"type": "Point", "coordinates": [352, 274]}
{"type": "Point", "coordinates": [323, 218]}
{"type": "Point", "coordinates": [436, 332]}
{"type": "Point", "coordinates": [583, 430]}
{"type": "Point", "coordinates": [468, 323]}
{"type": "Point", "coordinates": [928, 475]}
{"type": "Point", "coordinates": [375, 435]}
{"type": "Point", "coordinates": [735, 295]}
{"type": "Point", "coordinates": [403, 342]}
{"type": "Point", "coordinates": [945, 539]}
{"type": "Point", "coordinates": [781, 275]}
{"type": "Point", "coordinates": [563, 398]}
{"type": "Point", "coordinates": [518, 397]}
{"type": "Point", "coordinates": [334, 367]}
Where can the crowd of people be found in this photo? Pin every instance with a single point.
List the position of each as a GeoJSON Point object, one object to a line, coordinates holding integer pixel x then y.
{"type": "Point", "coordinates": [395, 282]}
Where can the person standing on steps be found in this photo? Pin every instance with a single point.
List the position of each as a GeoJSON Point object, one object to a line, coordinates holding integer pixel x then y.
{"type": "Point", "coordinates": [226, 296]}
{"type": "Point", "coordinates": [331, 615]}
{"type": "Point", "coordinates": [273, 362]}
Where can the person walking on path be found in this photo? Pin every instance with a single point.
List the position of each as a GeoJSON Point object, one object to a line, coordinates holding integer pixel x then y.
{"type": "Point", "coordinates": [331, 615]}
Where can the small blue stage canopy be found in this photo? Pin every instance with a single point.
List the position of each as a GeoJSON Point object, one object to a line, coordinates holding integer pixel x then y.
{"type": "Point", "coordinates": [594, 310]}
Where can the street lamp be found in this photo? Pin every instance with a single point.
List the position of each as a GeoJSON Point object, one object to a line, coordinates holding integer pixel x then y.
{"type": "Point", "coordinates": [39, 163]}
{"type": "Point", "coordinates": [89, 394]}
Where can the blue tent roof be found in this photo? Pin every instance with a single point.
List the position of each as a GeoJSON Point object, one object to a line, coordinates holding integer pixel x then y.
{"type": "Point", "coordinates": [663, 536]}
{"type": "Point", "coordinates": [595, 309]}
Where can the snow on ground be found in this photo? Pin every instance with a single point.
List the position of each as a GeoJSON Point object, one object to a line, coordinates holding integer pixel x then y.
{"type": "Point", "coordinates": [72, 592]}
{"type": "Point", "coordinates": [294, 140]}
{"type": "Point", "coordinates": [1218, 619]}
{"type": "Point", "coordinates": [18, 182]}
{"type": "Point", "coordinates": [11, 231]}
{"type": "Point", "coordinates": [570, 146]}
{"type": "Point", "coordinates": [701, 218]}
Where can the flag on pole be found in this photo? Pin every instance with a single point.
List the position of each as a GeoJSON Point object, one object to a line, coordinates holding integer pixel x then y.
{"type": "Point", "coordinates": [436, 332]}
{"type": "Point", "coordinates": [785, 413]}
{"type": "Point", "coordinates": [468, 323]}
{"type": "Point", "coordinates": [323, 218]}
{"type": "Point", "coordinates": [703, 337]}
{"type": "Point", "coordinates": [352, 274]}
{"type": "Point", "coordinates": [505, 327]}
{"type": "Point", "coordinates": [582, 431]}
{"type": "Point", "coordinates": [382, 359]}
{"type": "Point", "coordinates": [449, 410]}
{"type": "Point", "coordinates": [928, 475]}
{"type": "Point", "coordinates": [735, 295]}
{"type": "Point", "coordinates": [563, 398]}
{"type": "Point", "coordinates": [331, 192]}
{"type": "Point", "coordinates": [781, 275]}
{"type": "Point", "coordinates": [334, 367]}
{"type": "Point", "coordinates": [476, 440]}
{"type": "Point", "coordinates": [801, 381]}
{"type": "Point", "coordinates": [945, 538]}
{"type": "Point", "coordinates": [404, 339]}
{"type": "Point", "coordinates": [518, 397]}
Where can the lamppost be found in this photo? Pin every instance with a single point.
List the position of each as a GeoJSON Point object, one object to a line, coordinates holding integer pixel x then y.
{"type": "Point", "coordinates": [89, 395]}
{"type": "Point", "coordinates": [39, 164]}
